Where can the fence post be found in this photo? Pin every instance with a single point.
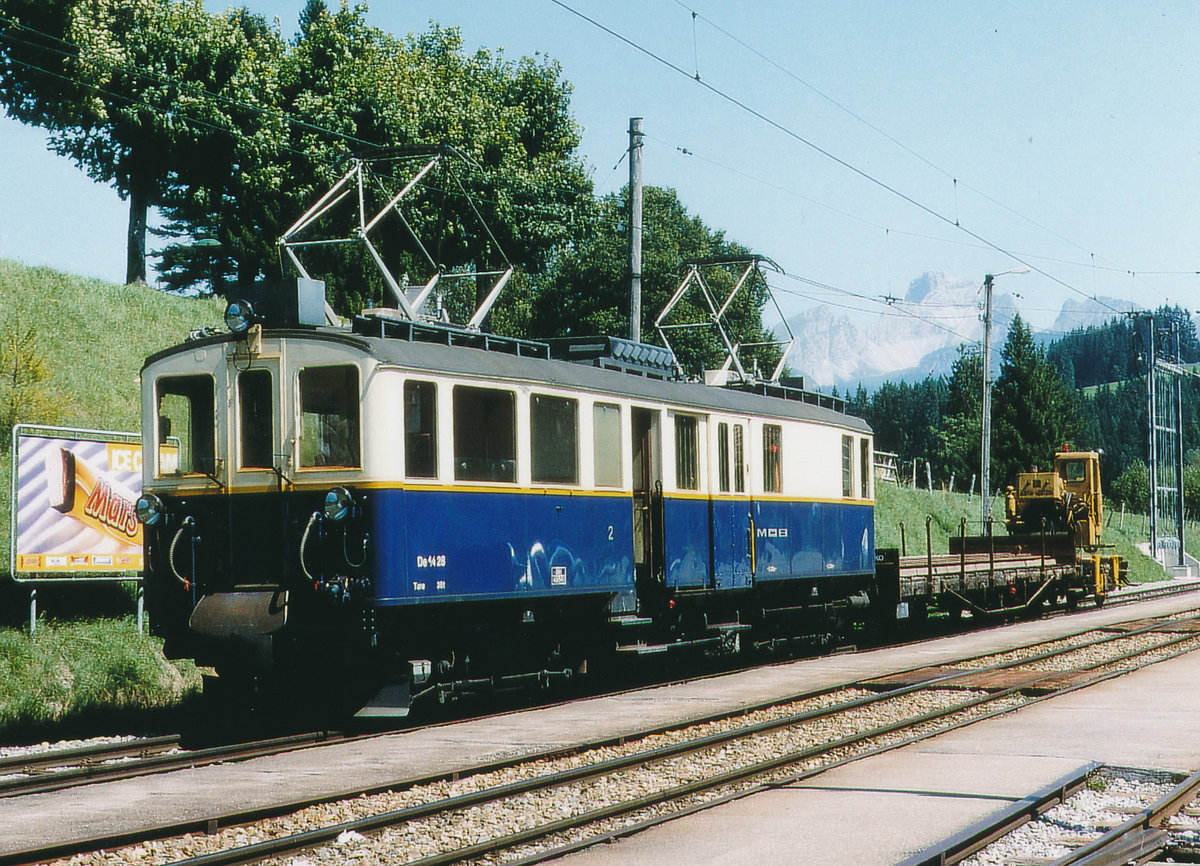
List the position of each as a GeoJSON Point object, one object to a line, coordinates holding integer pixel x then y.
{"type": "Point", "coordinates": [929, 476]}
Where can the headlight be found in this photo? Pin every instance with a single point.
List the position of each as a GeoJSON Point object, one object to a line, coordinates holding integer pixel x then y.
{"type": "Point", "coordinates": [150, 509]}
{"type": "Point", "coordinates": [239, 316]}
{"type": "Point", "coordinates": [339, 504]}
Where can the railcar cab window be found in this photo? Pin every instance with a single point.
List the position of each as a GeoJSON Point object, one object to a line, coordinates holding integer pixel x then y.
{"type": "Point", "coordinates": [256, 419]}
{"type": "Point", "coordinates": [772, 458]}
{"type": "Point", "coordinates": [329, 422]}
{"type": "Point", "coordinates": [847, 466]}
{"type": "Point", "coordinates": [420, 429]}
{"type": "Point", "coordinates": [606, 444]}
{"type": "Point", "coordinates": [186, 425]}
{"type": "Point", "coordinates": [485, 438]}
{"type": "Point", "coordinates": [866, 465]}
{"type": "Point", "coordinates": [739, 460]}
{"type": "Point", "coordinates": [687, 455]}
{"type": "Point", "coordinates": [554, 431]}
{"type": "Point", "coordinates": [723, 457]}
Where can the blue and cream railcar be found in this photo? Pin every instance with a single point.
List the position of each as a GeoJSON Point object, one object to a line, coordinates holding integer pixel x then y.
{"type": "Point", "coordinates": [409, 505]}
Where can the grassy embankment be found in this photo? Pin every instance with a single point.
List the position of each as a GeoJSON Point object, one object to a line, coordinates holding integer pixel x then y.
{"type": "Point", "coordinates": [87, 661]}
{"type": "Point", "coordinates": [903, 505]}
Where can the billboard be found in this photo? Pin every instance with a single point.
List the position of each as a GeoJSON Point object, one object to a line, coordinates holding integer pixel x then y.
{"type": "Point", "coordinates": [73, 501]}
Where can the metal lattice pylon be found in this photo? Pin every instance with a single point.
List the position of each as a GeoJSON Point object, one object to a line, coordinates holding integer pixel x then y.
{"type": "Point", "coordinates": [694, 282]}
{"type": "Point", "coordinates": [419, 302]}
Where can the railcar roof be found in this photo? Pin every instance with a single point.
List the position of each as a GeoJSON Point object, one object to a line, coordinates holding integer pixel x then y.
{"type": "Point", "coordinates": [468, 361]}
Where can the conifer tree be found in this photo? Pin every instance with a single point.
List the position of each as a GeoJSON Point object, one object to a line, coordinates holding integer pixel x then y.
{"type": "Point", "coordinates": [1033, 412]}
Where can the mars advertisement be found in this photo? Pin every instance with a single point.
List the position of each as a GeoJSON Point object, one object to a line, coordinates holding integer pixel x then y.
{"type": "Point", "coordinates": [73, 504]}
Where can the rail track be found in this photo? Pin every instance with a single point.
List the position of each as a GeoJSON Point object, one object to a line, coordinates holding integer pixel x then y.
{"type": "Point", "coordinates": [68, 768]}
{"type": "Point", "coordinates": [1158, 832]}
{"type": "Point", "coordinates": [569, 799]}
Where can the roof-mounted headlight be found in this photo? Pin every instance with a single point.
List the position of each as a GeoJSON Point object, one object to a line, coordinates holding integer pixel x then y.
{"type": "Point", "coordinates": [339, 504]}
{"type": "Point", "coordinates": [239, 315]}
{"type": "Point", "coordinates": [150, 509]}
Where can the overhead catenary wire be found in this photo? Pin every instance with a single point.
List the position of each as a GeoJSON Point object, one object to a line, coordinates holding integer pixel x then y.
{"type": "Point", "coordinates": [882, 132]}
{"type": "Point", "coordinates": [828, 154]}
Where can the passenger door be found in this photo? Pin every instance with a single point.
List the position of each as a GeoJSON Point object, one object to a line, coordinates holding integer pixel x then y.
{"type": "Point", "coordinates": [732, 507]}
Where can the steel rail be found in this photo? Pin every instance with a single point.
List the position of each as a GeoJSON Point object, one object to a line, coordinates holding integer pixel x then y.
{"type": "Point", "coordinates": [1142, 835]}
{"type": "Point", "coordinates": [32, 762]}
{"type": "Point", "coordinates": [308, 839]}
{"type": "Point", "coordinates": [87, 772]}
{"type": "Point", "coordinates": [999, 824]}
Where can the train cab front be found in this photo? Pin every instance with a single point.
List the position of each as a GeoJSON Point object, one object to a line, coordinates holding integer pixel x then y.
{"type": "Point", "coordinates": [255, 539]}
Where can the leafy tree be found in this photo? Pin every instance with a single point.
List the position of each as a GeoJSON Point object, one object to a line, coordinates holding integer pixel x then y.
{"type": "Point", "coordinates": [588, 291]}
{"type": "Point", "coordinates": [1133, 486]}
{"type": "Point", "coordinates": [24, 395]}
{"type": "Point", "coordinates": [522, 179]}
{"type": "Point", "coordinates": [1033, 413]}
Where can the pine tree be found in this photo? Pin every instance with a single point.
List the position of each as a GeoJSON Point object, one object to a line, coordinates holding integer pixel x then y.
{"type": "Point", "coordinates": [1033, 412]}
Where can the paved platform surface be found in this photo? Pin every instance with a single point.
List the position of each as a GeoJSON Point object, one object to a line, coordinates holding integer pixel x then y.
{"type": "Point", "coordinates": [881, 810]}
{"type": "Point", "coordinates": [891, 805]}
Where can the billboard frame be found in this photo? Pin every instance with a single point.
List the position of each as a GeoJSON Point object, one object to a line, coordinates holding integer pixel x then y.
{"type": "Point", "coordinates": [77, 434]}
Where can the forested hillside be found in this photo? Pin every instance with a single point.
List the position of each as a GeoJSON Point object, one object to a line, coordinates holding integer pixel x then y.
{"type": "Point", "coordinates": [1087, 389]}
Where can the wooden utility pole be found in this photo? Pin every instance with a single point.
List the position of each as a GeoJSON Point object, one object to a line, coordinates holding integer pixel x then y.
{"type": "Point", "coordinates": [635, 229]}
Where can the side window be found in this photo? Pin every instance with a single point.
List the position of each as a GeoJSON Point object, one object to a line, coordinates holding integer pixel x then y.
{"type": "Point", "coordinates": [847, 466]}
{"type": "Point", "coordinates": [772, 458]}
{"type": "Point", "coordinates": [739, 459]}
{"type": "Point", "coordinates": [865, 463]}
{"type": "Point", "coordinates": [606, 444]}
{"type": "Point", "coordinates": [329, 423]}
{"type": "Point", "coordinates": [485, 434]}
{"type": "Point", "coordinates": [420, 429]}
{"type": "Point", "coordinates": [256, 419]}
{"type": "Point", "coordinates": [723, 457]}
{"type": "Point", "coordinates": [687, 457]}
{"type": "Point", "coordinates": [187, 425]}
{"type": "Point", "coordinates": [554, 429]}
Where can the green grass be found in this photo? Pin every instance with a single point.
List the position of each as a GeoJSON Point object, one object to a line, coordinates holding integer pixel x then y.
{"type": "Point", "coordinates": [93, 337]}
{"type": "Point", "coordinates": [70, 676]}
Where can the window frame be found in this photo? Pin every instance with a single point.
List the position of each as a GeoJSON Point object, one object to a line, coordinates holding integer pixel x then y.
{"type": "Point", "coordinates": [723, 457]}
{"type": "Point", "coordinates": [432, 430]}
{"type": "Point", "coordinates": [847, 467]}
{"type": "Point", "coordinates": [538, 454]}
{"type": "Point", "coordinates": [273, 434]}
{"type": "Point", "coordinates": [599, 459]}
{"type": "Point", "coordinates": [772, 466]}
{"type": "Point", "coordinates": [211, 430]}
{"type": "Point", "coordinates": [687, 445]}
{"type": "Point", "coordinates": [457, 441]}
{"type": "Point", "coordinates": [354, 435]}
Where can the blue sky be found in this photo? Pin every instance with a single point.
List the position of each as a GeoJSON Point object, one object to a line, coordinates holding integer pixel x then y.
{"type": "Point", "coordinates": [1067, 133]}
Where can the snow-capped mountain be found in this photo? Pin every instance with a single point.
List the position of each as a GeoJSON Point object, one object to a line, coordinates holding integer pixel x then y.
{"type": "Point", "coordinates": [918, 337]}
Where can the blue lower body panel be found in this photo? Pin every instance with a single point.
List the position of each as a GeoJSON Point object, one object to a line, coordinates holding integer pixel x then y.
{"type": "Point", "coordinates": [812, 539]}
{"type": "Point", "coordinates": [706, 542]}
{"type": "Point", "coordinates": [457, 545]}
